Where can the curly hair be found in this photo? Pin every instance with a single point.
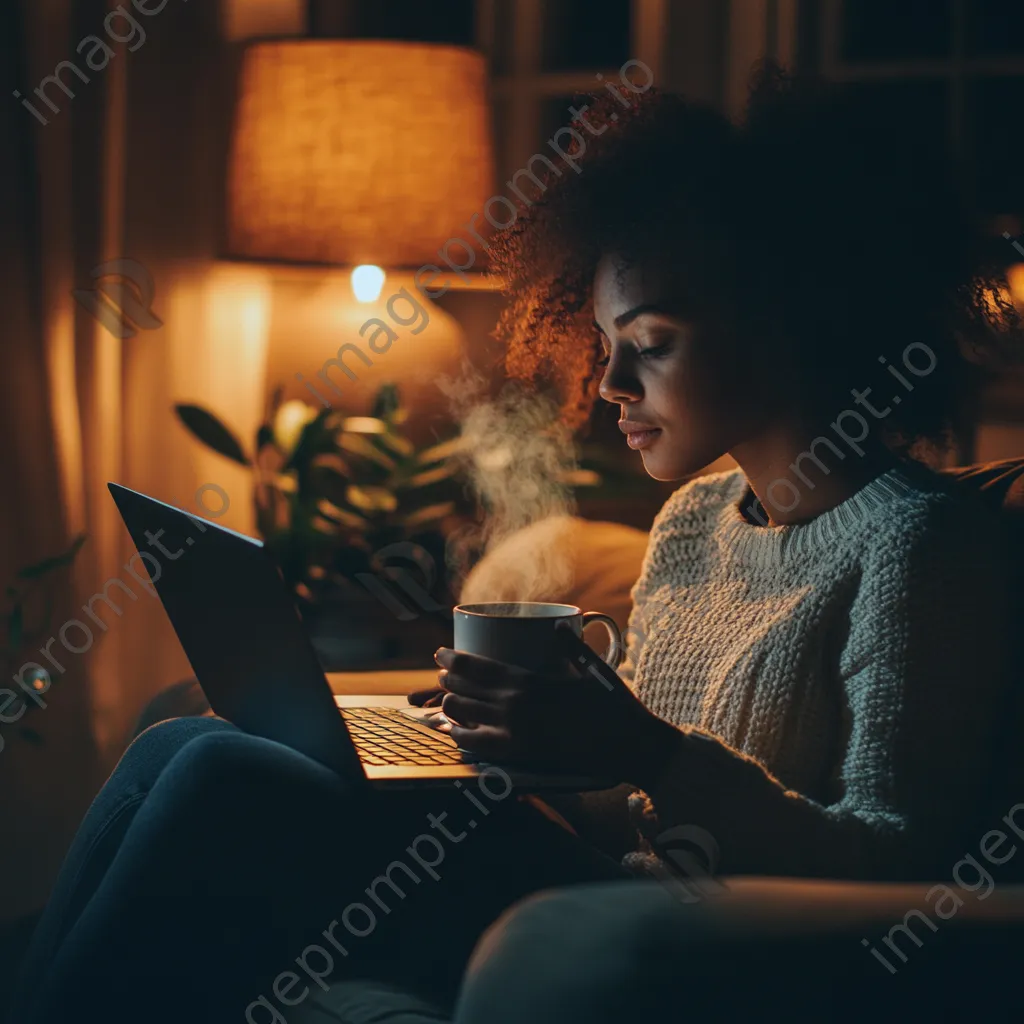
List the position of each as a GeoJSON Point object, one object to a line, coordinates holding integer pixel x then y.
{"type": "Point", "coordinates": [813, 222]}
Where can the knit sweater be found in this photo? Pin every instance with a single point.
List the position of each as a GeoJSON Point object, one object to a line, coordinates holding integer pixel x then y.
{"type": "Point", "coordinates": [836, 683]}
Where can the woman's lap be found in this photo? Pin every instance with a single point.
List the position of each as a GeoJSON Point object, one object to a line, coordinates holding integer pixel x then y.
{"type": "Point", "coordinates": [102, 830]}
{"type": "Point", "coordinates": [248, 867]}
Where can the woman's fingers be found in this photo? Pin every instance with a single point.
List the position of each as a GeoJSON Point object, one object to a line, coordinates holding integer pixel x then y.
{"type": "Point", "coordinates": [469, 712]}
{"type": "Point", "coordinates": [488, 741]}
{"type": "Point", "coordinates": [477, 667]}
{"type": "Point", "coordinates": [426, 698]}
{"type": "Point", "coordinates": [466, 686]}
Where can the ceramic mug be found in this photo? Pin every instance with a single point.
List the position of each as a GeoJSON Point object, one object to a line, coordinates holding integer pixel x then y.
{"type": "Point", "coordinates": [523, 632]}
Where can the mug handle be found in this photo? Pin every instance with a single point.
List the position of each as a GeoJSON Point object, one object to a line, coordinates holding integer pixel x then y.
{"type": "Point", "coordinates": [613, 656]}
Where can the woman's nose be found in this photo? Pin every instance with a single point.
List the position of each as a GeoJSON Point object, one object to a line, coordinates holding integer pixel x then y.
{"type": "Point", "coordinates": [618, 385]}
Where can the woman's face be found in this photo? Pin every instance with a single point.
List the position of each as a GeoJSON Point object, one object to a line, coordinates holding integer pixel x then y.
{"type": "Point", "coordinates": [692, 386]}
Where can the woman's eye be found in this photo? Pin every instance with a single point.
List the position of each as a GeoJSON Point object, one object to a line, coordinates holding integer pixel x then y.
{"type": "Point", "coordinates": [654, 350]}
{"type": "Point", "coordinates": [650, 352]}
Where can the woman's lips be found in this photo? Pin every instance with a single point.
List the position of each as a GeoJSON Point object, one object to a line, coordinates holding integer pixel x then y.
{"type": "Point", "coordinates": [642, 438]}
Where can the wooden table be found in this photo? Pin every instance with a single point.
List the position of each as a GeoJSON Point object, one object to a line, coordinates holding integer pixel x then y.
{"type": "Point", "coordinates": [395, 682]}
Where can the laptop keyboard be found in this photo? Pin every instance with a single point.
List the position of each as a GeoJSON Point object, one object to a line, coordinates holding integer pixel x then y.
{"type": "Point", "coordinates": [386, 736]}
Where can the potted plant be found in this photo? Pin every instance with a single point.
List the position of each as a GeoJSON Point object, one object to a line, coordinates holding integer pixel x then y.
{"type": "Point", "coordinates": [342, 500]}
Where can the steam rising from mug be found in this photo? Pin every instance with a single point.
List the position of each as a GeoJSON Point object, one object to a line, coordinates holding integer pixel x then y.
{"type": "Point", "coordinates": [518, 458]}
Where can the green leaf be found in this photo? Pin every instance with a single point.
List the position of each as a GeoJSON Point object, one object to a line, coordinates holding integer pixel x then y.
{"type": "Point", "coordinates": [15, 628]}
{"type": "Point", "coordinates": [208, 429]}
{"type": "Point", "coordinates": [387, 402]}
{"type": "Point", "coordinates": [32, 572]}
{"type": "Point", "coordinates": [321, 524]}
{"type": "Point", "coordinates": [428, 514]}
{"type": "Point", "coordinates": [286, 483]}
{"type": "Point", "coordinates": [397, 443]}
{"type": "Point", "coordinates": [316, 438]}
{"type": "Point", "coordinates": [441, 451]}
{"type": "Point", "coordinates": [334, 461]}
{"type": "Point", "coordinates": [371, 499]}
{"type": "Point", "coordinates": [264, 436]}
{"type": "Point", "coordinates": [432, 476]}
{"type": "Point", "coordinates": [358, 445]}
{"type": "Point", "coordinates": [327, 482]}
{"type": "Point", "coordinates": [341, 515]}
{"type": "Point", "coordinates": [364, 425]}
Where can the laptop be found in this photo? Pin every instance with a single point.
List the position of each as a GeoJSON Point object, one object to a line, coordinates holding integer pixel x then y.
{"type": "Point", "coordinates": [245, 640]}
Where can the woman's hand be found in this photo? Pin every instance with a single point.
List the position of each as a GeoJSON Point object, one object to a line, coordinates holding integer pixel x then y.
{"type": "Point", "coordinates": [563, 722]}
{"type": "Point", "coordinates": [426, 698]}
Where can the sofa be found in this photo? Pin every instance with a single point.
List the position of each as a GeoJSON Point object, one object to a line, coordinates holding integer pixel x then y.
{"type": "Point", "coordinates": [749, 948]}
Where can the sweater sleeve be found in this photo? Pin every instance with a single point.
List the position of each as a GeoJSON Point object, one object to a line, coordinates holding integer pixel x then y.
{"type": "Point", "coordinates": [633, 637]}
{"type": "Point", "coordinates": [923, 670]}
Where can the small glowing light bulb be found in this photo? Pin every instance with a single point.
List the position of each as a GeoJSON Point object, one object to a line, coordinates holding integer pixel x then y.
{"type": "Point", "coordinates": [367, 282]}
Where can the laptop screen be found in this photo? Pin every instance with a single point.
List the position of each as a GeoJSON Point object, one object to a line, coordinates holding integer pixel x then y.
{"type": "Point", "coordinates": [240, 629]}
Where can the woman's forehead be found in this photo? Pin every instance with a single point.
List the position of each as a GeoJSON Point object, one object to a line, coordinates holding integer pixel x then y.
{"type": "Point", "coordinates": [616, 279]}
{"type": "Point", "coordinates": [620, 287]}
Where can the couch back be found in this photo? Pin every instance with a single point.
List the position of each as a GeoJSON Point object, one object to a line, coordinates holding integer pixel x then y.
{"type": "Point", "coordinates": [1001, 485]}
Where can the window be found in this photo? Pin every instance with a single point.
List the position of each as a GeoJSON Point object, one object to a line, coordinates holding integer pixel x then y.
{"type": "Point", "coordinates": [543, 53]}
{"type": "Point", "coordinates": [958, 66]}
{"type": "Point", "coordinates": [453, 21]}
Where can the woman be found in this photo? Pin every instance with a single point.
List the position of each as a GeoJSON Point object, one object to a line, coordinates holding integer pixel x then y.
{"type": "Point", "coordinates": [817, 652]}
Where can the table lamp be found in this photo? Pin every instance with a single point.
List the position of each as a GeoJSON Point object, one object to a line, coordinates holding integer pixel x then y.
{"type": "Point", "coordinates": [361, 154]}
{"type": "Point", "coordinates": [351, 162]}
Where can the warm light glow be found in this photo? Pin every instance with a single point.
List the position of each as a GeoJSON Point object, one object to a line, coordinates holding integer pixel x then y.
{"type": "Point", "coordinates": [290, 421]}
{"type": "Point", "coordinates": [367, 282]}
{"type": "Point", "coordinates": [995, 301]}
{"type": "Point", "coordinates": [363, 425]}
{"type": "Point", "coordinates": [495, 459]}
{"type": "Point", "coordinates": [1015, 278]}
{"type": "Point", "coordinates": [351, 151]}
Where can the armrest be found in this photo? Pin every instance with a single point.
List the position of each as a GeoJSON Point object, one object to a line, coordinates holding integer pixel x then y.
{"type": "Point", "coordinates": [768, 949]}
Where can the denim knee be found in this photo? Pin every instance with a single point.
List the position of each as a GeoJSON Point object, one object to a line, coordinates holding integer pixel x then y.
{"type": "Point", "coordinates": [228, 764]}
{"type": "Point", "coordinates": [153, 749]}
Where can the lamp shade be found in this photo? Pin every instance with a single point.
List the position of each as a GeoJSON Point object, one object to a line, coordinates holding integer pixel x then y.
{"type": "Point", "coordinates": [356, 151]}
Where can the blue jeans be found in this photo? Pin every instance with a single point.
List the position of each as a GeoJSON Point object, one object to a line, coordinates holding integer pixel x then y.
{"type": "Point", "coordinates": [212, 862]}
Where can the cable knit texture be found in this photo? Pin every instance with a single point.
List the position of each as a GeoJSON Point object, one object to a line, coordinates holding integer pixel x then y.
{"type": "Point", "coordinates": [836, 683]}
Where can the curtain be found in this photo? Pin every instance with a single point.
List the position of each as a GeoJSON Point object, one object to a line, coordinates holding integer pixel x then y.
{"type": "Point", "coordinates": [115, 307]}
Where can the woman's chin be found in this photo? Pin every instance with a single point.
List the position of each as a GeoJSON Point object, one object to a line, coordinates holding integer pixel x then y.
{"type": "Point", "coordinates": [658, 467]}
{"type": "Point", "coordinates": [667, 465]}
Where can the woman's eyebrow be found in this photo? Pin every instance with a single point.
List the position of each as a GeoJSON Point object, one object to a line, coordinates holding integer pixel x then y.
{"type": "Point", "coordinates": [631, 314]}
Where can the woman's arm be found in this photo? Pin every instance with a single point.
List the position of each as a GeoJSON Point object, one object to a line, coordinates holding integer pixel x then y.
{"type": "Point", "coordinates": [923, 670]}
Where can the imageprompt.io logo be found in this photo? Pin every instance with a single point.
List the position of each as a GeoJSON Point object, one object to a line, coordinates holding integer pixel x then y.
{"type": "Point", "coordinates": [419, 593]}
{"type": "Point", "coordinates": [122, 300]}
{"type": "Point", "coordinates": [688, 857]}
